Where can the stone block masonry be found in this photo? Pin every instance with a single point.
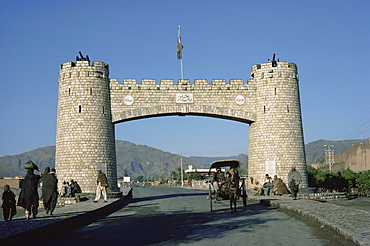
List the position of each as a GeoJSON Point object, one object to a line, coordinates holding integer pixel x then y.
{"type": "Point", "coordinates": [85, 132]}
{"type": "Point", "coordinates": [90, 103]}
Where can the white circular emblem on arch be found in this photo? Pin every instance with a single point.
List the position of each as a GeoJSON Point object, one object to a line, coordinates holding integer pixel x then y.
{"type": "Point", "coordinates": [128, 100]}
{"type": "Point", "coordinates": [240, 100]}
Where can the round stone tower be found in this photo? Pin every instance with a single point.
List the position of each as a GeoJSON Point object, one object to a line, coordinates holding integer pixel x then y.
{"type": "Point", "coordinates": [276, 137]}
{"type": "Point", "coordinates": [85, 132]}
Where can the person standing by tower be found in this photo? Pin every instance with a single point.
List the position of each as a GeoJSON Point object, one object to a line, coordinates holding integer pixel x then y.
{"type": "Point", "coordinates": [102, 186]}
{"type": "Point", "coordinates": [294, 179]}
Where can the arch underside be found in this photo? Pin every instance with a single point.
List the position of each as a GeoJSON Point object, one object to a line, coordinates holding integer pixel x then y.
{"type": "Point", "coordinates": [183, 110]}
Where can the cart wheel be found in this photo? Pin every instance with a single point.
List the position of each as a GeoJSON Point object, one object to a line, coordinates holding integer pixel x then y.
{"type": "Point", "coordinates": [210, 197]}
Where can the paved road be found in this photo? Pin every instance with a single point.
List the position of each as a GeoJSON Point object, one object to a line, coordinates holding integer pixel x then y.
{"type": "Point", "coordinates": [172, 216]}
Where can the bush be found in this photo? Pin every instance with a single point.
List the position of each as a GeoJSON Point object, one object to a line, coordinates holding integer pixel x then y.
{"type": "Point", "coordinates": [363, 180]}
{"type": "Point", "coordinates": [341, 181]}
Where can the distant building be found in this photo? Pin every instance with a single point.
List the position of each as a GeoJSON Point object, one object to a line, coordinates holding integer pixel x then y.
{"type": "Point", "coordinates": [356, 158]}
{"type": "Point", "coordinates": [13, 182]}
{"type": "Point", "coordinates": [202, 171]}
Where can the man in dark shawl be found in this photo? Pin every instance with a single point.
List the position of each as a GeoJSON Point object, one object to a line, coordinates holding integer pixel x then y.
{"type": "Point", "coordinates": [49, 191]}
{"type": "Point", "coordinates": [294, 179]}
{"type": "Point", "coordinates": [9, 209]}
{"type": "Point", "coordinates": [29, 196]}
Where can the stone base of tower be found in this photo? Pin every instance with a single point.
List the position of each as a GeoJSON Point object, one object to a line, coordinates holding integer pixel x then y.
{"type": "Point", "coordinates": [110, 195]}
{"type": "Point", "coordinates": [114, 194]}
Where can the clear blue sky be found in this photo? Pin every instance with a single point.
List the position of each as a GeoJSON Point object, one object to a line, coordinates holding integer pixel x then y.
{"type": "Point", "coordinates": [328, 40]}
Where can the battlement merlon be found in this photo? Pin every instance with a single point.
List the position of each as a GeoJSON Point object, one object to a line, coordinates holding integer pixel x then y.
{"type": "Point", "coordinates": [269, 66]}
{"type": "Point", "coordinates": [180, 83]}
{"type": "Point", "coordinates": [96, 64]}
{"type": "Point", "coordinates": [83, 70]}
{"type": "Point", "coordinates": [267, 70]}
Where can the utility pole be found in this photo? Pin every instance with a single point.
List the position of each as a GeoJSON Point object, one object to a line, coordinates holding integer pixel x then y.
{"type": "Point", "coordinates": [182, 175]}
{"type": "Point", "coordinates": [329, 156]}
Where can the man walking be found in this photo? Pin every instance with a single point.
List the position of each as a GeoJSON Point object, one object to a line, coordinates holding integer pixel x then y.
{"type": "Point", "coordinates": [102, 186]}
{"type": "Point", "coordinates": [49, 191]}
{"type": "Point", "coordinates": [294, 179]}
{"type": "Point", "coordinates": [29, 196]}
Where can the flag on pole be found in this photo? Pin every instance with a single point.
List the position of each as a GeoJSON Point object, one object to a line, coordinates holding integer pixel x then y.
{"type": "Point", "coordinates": [179, 45]}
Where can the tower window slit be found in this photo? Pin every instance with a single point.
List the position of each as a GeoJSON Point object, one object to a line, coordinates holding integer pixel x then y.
{"type": "Point", "coordinates": [287, 108]}
{"type": "Point", "coordinates": [79, 109]}
{"type": "Point", "coordinates": [264, 109]}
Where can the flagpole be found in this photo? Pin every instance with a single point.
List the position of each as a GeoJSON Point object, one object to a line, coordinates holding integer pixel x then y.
{"type": "Point", "coordinates": [181, 69]}
{"type": "Point", "coordinates": [179, 51]}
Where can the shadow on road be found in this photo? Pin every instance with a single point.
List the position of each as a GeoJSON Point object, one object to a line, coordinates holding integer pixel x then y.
{"type": "Point", "coordinates": [182, 227]}
{"type": "Point", "coordinates": [135, 200]}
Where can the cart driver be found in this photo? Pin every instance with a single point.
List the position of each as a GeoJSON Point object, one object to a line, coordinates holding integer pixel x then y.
{"type": "Point", "coordinates": [218, 178]}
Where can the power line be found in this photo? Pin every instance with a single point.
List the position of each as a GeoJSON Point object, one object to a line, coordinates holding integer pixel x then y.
{"type": "Point", "coordinates": [358, 128]}
{"type": "Point", "coordinates": [20, 141]}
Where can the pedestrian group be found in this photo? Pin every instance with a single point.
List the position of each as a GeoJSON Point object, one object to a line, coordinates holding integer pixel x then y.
{"type": "Point", "coordinates": [276, 186]}
{"type": "Point", "coordinates": [29, 195]}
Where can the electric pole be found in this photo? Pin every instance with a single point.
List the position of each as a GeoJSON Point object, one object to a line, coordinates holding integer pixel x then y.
{"type": "Point", "coordinates": [329, 156]}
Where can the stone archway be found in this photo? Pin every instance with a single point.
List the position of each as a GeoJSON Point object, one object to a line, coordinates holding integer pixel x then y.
{"type": "Point", "coordinates": [90, 103]}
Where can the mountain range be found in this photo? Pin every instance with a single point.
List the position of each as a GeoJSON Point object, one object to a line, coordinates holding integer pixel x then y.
{"type": "Point", "coordinates": [141, 160]}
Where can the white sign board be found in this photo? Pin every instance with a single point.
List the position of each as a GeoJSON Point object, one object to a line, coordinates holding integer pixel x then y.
{"type": "Point", "coordinates": [126, 179]}
{"type": "Point", "coordinates": [184, 98]}
{"type": "Point", "coordinates": [270, 168]}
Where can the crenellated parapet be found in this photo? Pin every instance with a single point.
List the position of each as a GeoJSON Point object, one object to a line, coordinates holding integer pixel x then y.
{"type": "Point", "coordinates": [83, 69]}
{"type": "Point", "coordinates": [181, 84]}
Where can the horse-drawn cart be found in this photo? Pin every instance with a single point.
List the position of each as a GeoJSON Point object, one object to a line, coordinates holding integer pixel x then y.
{"type": "Point", "coordinates": [231, 187]}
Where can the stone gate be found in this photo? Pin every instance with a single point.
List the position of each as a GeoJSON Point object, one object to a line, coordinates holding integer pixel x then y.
{"type": "Point", "coordinates": [90, 104]}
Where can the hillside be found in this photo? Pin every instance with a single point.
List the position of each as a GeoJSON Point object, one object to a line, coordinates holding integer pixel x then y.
{"type": "Point", "coordinates": [315, 150]}
{"type": "Point", "coordinates": [138, 160]}
{"type": "Point", "coordinates": [133, 159]}
{"type": "Point", "coordinates": [11, 166]}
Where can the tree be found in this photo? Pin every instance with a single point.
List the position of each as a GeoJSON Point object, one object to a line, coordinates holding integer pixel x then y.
{"type": "Point", "coordinates": [140, 179]}
{"type": "Point", "coordinates": [194, 176]}
{"type": "Point", "coordinates": [363, 180]}
{"type": "Point", "coordinates": [342, 180]}
{"type": "Point", "coordinates": [350, 177]}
